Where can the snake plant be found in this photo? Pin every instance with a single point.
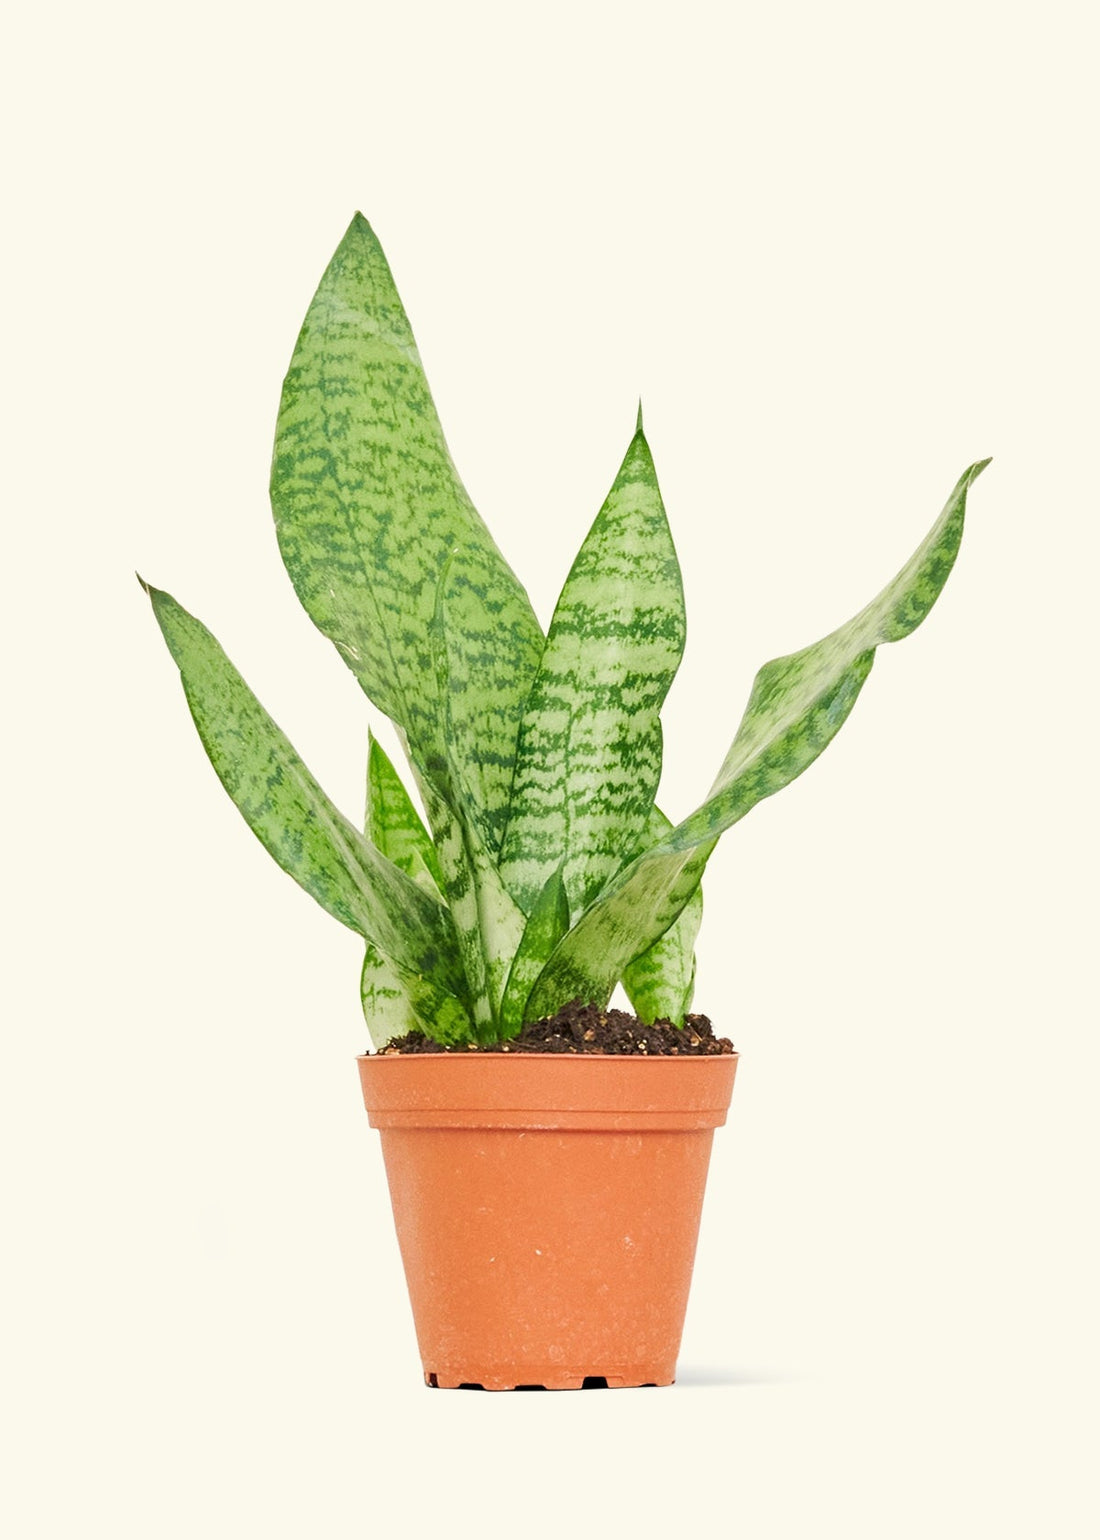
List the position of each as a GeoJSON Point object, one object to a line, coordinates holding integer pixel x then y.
{"type": "Point", "coordinates": [548, 873]}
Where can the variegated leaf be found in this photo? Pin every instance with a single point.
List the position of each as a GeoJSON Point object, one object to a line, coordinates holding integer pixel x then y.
{"type": "Point", "coordinates": [395, 1003]}
{"type": "Point", "coordinates": [589, 756]}
{"type": "Point", "coordinates": [661, 981]}
{"type": "Point", "coordinates": [489, 924]}
{"type": "Point", "coordinates": [294, 819]}
{"type": "Point", "coordinates": [484, 635]}
{"type": "Point", "coordinates": [395, 826]}
{"type": "Point", "coordinates": [797, 705]}
{"type": "Point", "coordinates": [367, 503]}
{"type": "Point", "coordinates": [546, 925]}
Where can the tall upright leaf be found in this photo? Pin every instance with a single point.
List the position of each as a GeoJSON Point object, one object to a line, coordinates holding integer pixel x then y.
{"type": "Point", "coordinates": [797, 705]}
{"type": "Point", "coordinates": [287, 810]}
{"type": "Point", "coordinates": [488, 922]}
{"type": "Point", "coordinates": [589, 756]}
{"type": "Point", "coordinates": [367, 503]}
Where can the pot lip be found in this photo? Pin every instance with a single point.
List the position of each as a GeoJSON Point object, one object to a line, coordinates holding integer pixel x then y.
{"type": "Point", "coordinates": [380, 1056]}
{"type": "Point", "coordinates": [526, 1090]}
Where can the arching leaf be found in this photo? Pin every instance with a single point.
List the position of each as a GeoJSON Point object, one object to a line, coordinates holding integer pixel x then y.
{"type": "Point", "coordinates": [797, 705]}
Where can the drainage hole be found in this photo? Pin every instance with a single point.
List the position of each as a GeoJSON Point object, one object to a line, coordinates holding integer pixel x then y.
{"type": "Point", "coordinates": [595, 1382]}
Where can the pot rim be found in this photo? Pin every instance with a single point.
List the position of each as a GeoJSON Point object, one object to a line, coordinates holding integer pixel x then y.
{"type": "Point", "coordinates": [537, 1090]}
{"type": "Point", "coordinates": [494, 1055]}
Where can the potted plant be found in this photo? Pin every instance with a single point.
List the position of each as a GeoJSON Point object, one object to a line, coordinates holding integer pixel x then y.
{"type": "Point", "coordinates": [546, 1155]}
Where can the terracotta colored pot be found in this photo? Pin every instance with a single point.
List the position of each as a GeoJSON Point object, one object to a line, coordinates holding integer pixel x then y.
{"type": "Point", "coordinates": [547, 1208]}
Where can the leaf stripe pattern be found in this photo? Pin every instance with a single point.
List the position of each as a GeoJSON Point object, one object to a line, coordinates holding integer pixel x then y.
{"type": "Point", "coordinates": [796, 707]}
{"type": "Point", "coordinates": [589, 756]}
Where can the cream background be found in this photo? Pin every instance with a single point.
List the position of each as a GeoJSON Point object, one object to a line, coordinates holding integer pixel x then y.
{"type": "Point", "coordinates": [841, 251]}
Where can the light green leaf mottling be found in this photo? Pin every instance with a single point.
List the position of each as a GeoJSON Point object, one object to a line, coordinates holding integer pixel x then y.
{"type": "Point", "coordinates": [291, 815]}
{"type": "Point", "coordinates": [589, 756]}
{"type": "Point", "coordinates": [367, 503]}
{"type": "Point", "coordinates": [797, 705]}
{"type": "Point", "coordinates": [546, 925]}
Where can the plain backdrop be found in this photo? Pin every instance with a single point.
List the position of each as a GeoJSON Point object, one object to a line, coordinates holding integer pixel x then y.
{"type": "Point", "coordinates": [840, 251]}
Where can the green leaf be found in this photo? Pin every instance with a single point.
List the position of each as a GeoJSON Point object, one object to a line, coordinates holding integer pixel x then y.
{"type": "Point", "coordinates": [489, 924]}
{"type": "Point", "coordinates": [661, 981]}
{"type": "Point", "coordinates": [387, 1008]}
{"type": "Point", "coordinates": [589, 756]}
{"type": "Point", "coordinates": [797, 705]}
{"type": "Point", "coordinates": [367, 503]}
{"type": "Point", "coordinates": [395, 1002]}
{"type": "Point", "coordinates": [395, 826]}
{"type": "Point", "coordinates": [546, 925]}
{"type": "Point", "coordinates": [294, 819]}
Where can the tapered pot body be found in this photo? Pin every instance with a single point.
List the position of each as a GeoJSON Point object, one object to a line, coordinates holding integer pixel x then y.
{"type": "Point", "coordinates": [547, 1208]}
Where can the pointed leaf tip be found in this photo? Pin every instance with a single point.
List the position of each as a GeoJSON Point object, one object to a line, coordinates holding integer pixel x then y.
{"type": "Point", "coordinates": [639, 428]}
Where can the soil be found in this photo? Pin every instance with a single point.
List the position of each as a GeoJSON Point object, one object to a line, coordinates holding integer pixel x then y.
{"type": "Point", "coordinates": [579, 1028]}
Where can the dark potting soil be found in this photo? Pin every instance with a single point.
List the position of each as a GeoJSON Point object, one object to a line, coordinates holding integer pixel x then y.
{"type": "Point", "coordinates": [579, 1028]}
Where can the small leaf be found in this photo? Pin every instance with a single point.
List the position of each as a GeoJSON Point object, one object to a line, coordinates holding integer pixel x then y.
{"type": "Point", "coordinates": [589, 756]}
{"type": "Point", "coordinates": [396, 1002]}
{"type": "Point", "coordinates": [546, 925]}
{"type": "Point", "coordinates": [390, 996]}
{"type": "Point", "coordinates": [288, 811]}
{"type": "Point", "coordinates": [395, 826]}
{"type": "Point", "coordinates": [367, 503]}
{"type": "Point", "coordinates": [797, 705]}
{"type": "Point", "coordinates": [661, 981]}
{"type": "Point", "coordinates": [387, 1008]}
